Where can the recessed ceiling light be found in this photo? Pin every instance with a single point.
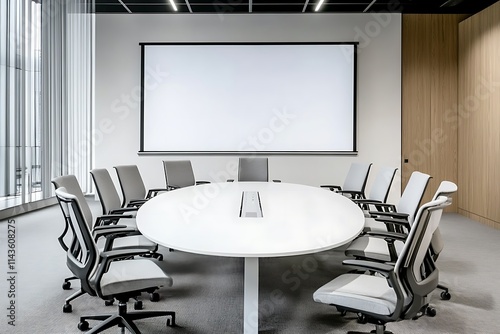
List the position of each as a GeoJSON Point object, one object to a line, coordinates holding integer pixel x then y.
{"type": "Point", "coordinates": [318, 6]}
{"type": "Point", "coordinates": [173, 4]}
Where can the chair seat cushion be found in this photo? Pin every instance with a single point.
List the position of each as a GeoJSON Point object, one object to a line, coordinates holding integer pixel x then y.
{"type": "Point", "coordinates": [366, 293]}
{"type": "Point", "coordinates": [133, 275]}
{"type": "Point", "coordinates": [372, 248]}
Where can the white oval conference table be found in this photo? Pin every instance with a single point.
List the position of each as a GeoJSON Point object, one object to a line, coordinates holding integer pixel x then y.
{"type": "Point", "coordinates": [205, 219]}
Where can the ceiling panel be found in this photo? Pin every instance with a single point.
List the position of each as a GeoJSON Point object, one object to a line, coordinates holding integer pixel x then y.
{"type": "Point", "coordinates": [291, 6]}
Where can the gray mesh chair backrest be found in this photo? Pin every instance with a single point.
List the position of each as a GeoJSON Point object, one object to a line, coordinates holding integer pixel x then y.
{"type": "Point", "coordinates": [253, 169]}
{"type": "Point", "coordinates": [179, 173]}
{"type": "Point", "coordinates": [356, 177]}
{"type": "Point", "coordinates": [70, 183]}
{"type": "Point", "coordinates": [108, 196]}
{"type": "Point", "coordinates": [83, 255]}
{"type": "Point", "coordinates": [415, 256]}
{"type": "Point", "coordinates": [131, 183]}
{"type": "Point", "coordinates": [412, 195]}
{"type": "Point", "coordinates": [382, 184]}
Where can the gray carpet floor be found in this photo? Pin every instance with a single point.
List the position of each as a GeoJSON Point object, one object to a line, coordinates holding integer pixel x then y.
{"type": "Point", "coordinates": [208, 291]}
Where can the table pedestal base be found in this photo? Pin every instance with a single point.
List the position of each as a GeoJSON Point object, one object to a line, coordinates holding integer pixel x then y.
{"type": "Point", "coordinates": [251, 296]}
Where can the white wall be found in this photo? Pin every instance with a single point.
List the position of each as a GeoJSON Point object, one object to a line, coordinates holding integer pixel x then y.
{"type": "Point", "coordinates": [118, 74]}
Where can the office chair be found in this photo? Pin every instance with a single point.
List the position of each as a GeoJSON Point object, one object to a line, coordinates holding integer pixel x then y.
{"type": "Point", "coordinates": [132, 186]}
{"type": "Point", "coordinates": [253, 169]}
{"type": "Point", "coordinates": [355, 181]}
{"type": "Point", "coordinates": [380, 189]}
{"type": "Point", "coordinates": [117, 237]}
{"type": "Point", "coordinates": [109, 198]}
{"type": "Point", "coordinates": [110, 274]}
{"type": "Point", "coordinates": [400, 290]}
{"type": "Point", "coordinates": [389, 217]}
{"type": "Point", "coordinates": [71, 183]}
{"type": "Point", "coordinates": [179, 174]}
{"type": "Point", "coordinates": [386, 246]}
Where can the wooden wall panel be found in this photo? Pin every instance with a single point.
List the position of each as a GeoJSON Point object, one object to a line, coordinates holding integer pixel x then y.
{"type": "Point", "coordinates": [444, 136]}
{"type": "Point", "coordinates": [429, 98]}
{"type": "Point", "coordinates": [479, 116]}
{"type": "Point", "coordinates": [416, 72]}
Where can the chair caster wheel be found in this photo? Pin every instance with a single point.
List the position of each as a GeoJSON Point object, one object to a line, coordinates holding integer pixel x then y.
{"type": "Point", "coordinates": [67, 308]}
{"type": "Point", "coordinates": [138, 305]}
{"type": "Point", "coordinates": [109, 302]}
{"type": "Point", "coordinates": [159, 257]}
{"type": "Point", "coordinates": [154, 297]}
{"type": "Point", "coordinates": [445, 295]}
{"type": "Point", "coordinates": [362, 319]}
{"type": "Point", "coordinates": [171, 321]}
{"type": "Point", "coordinates": [343, 313]}
{"type": "Point", "coordinates": [83, 325]}
{"type": "Point", "coordinates": [66, 285]}
{"type": "Point", "coordinates": [431, 311]}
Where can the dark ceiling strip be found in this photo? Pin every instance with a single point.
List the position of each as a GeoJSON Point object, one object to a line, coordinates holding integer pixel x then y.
{"type": "Point", "coordinates": [369, 6]}
{"type": "Point", "coordinates": [125, 6]}
{"type": "Point", "coordinates": [189, 6]}
{"type": "Point", "coordinates": [305, 6]}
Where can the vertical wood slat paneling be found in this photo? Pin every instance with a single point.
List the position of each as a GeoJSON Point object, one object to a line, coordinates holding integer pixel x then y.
{"type": "Point", "coordinates": [415, 94]}
{"type": "Point", "coordinates": [479, 130]}
{"type": "Point", "coordinates": [444, 93]}
{"type": "Point", "coordinates": [429, 108]}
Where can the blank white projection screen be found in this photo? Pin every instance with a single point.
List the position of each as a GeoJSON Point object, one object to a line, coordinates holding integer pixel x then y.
{"type": "Point", "coordinates": [237, 98]}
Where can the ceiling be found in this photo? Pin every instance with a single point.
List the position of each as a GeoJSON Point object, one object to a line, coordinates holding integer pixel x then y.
{"type": "Point", "coordinates": [290, 6]}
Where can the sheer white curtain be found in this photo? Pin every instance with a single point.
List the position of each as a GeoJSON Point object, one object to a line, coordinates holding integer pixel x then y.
{"type": "Point", "coordinates": [67, 94]}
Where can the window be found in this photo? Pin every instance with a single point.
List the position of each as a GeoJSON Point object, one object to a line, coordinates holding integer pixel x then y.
{"type": "Point", "coordinates": [20, 52]}
{"type": "Point", "coordinates": [46, 96]}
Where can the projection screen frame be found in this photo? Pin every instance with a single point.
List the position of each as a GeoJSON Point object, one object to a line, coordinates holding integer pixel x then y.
{"type": "Point", "coordinates": [354, 150]}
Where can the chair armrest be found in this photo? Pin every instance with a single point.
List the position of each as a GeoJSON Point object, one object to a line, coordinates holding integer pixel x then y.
{"type": "Point", "coordinates": [202, 182]}
{"type": "Point", "coordinates": [387, 235]}
{"type": "Point", "coordinates": [277, 181]}
{"type": "Point", "coordinates": [123, 253]}
{"type": "Point", "coordinates": [353, 193]}
{"type": "Point", "coordinates": [230, 180]}
{"type": "Point", "coordinates": [136, 203]}
{"type": "Point", "coordinates": [107, 227]}
{"type": "Point", "coordinates": [153, 192]}
{"type": "Point", "coordinates": [390, 214]}
{"type": "Point", "coordinates": [364, 204]}
{"type": "Point", "coordinates": [114, 232]}
{"type": "Point", "coordinates": [109, 219]}
{"type": "Point", "coordinates": [122, 210]}
{"type": "Point", "coordinates": [383, 268]}
{"type": "Point", "coordinates": [332, 187]}
{"type": "Point", "coordinates": [366, 201]}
